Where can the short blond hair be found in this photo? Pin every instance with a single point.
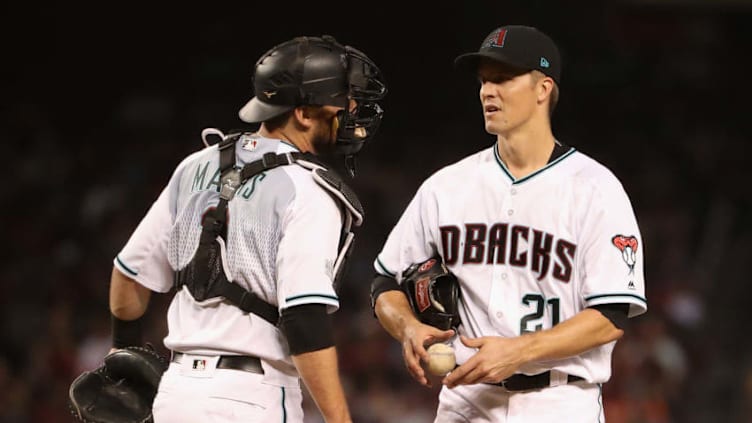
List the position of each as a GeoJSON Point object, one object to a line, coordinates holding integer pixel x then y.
{"type": "Point", "coordinates": [554, 97]}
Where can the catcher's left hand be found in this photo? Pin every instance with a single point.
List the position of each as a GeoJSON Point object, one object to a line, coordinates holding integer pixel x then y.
{"type": "Point", "coordinates": [121, 390]}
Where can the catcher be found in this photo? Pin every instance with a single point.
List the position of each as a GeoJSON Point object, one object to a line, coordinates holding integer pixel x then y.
{"type": "Point", "coordinates": [251, 234]}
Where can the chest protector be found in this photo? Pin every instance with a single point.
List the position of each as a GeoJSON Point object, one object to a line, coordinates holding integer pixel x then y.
{"type": "Point", "coordinates": [206, 276]}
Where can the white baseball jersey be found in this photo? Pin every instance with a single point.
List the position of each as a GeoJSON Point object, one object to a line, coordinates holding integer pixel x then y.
{"type": "Point", "coordinates": [282, 241]}
{"type": "Point", "coordinates": [528, 253]}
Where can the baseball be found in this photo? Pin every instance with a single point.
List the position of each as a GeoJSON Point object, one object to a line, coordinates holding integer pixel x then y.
{"type": "Point", "coordinates": [441, 359]}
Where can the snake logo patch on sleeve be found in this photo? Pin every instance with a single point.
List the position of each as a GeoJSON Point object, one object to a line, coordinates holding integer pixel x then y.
{"type": "Point", "coordinates": [628, 247]}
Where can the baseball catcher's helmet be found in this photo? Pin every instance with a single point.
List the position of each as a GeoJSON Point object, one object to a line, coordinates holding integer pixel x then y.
{"type": "Point", "coordinates": [319, 71]}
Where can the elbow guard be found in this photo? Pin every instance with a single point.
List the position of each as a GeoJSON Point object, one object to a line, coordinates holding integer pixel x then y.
{"type": "Point", "coordinates": [307, 328]}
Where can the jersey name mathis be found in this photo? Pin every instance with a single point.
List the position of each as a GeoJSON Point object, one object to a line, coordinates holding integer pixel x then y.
{"type": "Point", "coordinates": [202, 183]}
{"type": "Point", "coordinates": [504, 244]}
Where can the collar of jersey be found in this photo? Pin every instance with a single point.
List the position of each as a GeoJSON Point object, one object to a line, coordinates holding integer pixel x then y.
{"type": "Point", "coordinates": [286, 145]}
{"type": "Point", "coordinates": [292, 146]}
{"type": "Point", "coordinates": [560, 153]}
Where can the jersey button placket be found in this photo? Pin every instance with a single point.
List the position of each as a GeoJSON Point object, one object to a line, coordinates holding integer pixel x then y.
{"type": "Point", "coordinates": [510, 208]}
{"type": "Point", "coordinates": [503, 277]}
{"type": "Point", "coordinates": [500, 272]}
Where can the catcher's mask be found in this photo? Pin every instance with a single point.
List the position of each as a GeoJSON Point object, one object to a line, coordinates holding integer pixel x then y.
{"type": "Point", "coordinates": [320, 71]}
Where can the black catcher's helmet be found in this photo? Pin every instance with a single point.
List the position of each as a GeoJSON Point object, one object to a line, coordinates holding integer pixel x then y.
{"type": "Point", "coordinates": [319, 71]}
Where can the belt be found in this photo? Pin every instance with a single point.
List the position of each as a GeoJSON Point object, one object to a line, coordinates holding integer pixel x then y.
{"type": "Point", "coordinates": [520, 382]}
{"type": "Point", "coordinates": [246, 363]}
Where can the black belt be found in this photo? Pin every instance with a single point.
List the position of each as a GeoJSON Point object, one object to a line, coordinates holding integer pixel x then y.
{"type": "Point", "coordinates": [245, 363]}
{"type": "Point", "coordinates": [520, 382]}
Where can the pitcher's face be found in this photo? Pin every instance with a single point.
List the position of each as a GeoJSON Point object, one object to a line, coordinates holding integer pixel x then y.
{"type": "Point", "coordinates": [508, 96]}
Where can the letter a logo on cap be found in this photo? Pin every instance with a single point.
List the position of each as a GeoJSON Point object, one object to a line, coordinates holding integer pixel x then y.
{"type": "Point", "coordinates": [500, 38]}
{"type": "Point", "coordinates": [544, 62]}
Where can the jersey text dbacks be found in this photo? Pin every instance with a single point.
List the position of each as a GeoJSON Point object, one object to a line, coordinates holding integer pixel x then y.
{"type": "Point", "coordinates": [504, 243]}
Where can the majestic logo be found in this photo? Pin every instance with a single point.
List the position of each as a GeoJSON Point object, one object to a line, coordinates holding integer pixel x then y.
{"type": "Point", "coordinates": [628, 247]}
{"type": "Point", "coordinates": [421, 294]}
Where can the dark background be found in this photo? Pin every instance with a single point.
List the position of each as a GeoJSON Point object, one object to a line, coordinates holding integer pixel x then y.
{"type": "Point", "coordinates": [99, 105]}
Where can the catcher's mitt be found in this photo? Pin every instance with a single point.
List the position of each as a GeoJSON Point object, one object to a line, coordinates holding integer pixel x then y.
{"type": "Point", "coordinates": [433, 293]}
{"type": "Point", "coordinates": [121, 390]}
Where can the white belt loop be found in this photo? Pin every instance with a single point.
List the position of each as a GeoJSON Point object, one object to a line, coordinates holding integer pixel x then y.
{"type": "Point", "coordinates": [558, 378]}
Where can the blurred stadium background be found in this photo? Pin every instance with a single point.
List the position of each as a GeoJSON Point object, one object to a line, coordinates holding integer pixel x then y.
{"type": "Point", "coordinates": [101, 104]}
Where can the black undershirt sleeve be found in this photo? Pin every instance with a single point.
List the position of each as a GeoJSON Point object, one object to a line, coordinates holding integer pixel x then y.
{"type": "Point", "coordinates": [617, 313]}
{"type": "Point", "coordinates": [307, 327]}
{"type": "Point", "coordinates": [381, 284]}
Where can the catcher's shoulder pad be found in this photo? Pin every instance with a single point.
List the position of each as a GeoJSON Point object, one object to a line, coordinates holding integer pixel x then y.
{"type": "Point", "coordinates": [121, 390]}
{"type": "Point", "coordinates": [433, 292]}
{"type": "Point", "coordinates": [336, 186]}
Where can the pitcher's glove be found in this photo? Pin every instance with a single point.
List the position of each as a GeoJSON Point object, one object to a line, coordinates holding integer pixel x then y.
{"type": "Point", "coordinates": [121, 390]}
{"type": "Point", "coordinates": [433, 292]}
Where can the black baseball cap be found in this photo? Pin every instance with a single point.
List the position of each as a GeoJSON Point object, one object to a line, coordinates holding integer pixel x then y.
{"type": "Point", "coordinates": [520, 46]}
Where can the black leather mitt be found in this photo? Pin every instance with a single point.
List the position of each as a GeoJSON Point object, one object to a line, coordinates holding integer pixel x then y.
{"type": "Point", "coordinates": [433, 292]}
{"type": "Point", "coordinates": [122, 390]}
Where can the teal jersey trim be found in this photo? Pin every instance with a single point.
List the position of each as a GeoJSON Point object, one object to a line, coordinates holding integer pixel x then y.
{"type": "Point", "coordinates": [532, 175]}
{"type": "Point", "coordinates": [126, 268]}
{"type": "Point", "coordinates": [637, 297]}
{"type": "Point", "coordinates": [297, 297]}
{"type": "Point", "coordinates": [291, 145]}
{"type": "Point", "coordinates": [384, 269]}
